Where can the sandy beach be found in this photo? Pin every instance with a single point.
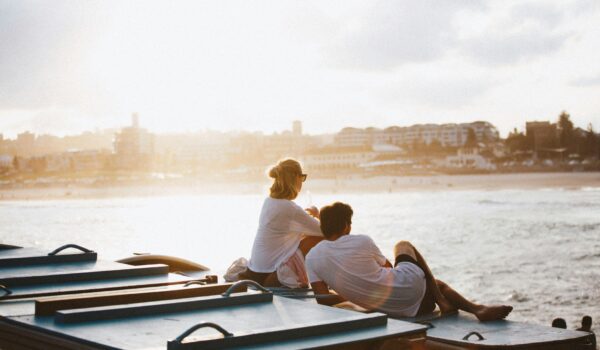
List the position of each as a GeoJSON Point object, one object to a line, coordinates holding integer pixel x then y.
{"type": "Point", "coordinates": [346, 184]}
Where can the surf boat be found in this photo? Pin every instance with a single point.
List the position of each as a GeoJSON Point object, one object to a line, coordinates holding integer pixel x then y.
{"type": "Point", "coordinates": [71, 300]}
{"type": "Point", "coordinates": [65, 300]}
{"type": "Point", "coordinates": [464, 331]}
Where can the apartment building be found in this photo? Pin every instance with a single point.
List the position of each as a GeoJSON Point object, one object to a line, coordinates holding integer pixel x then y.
{"type": "Point", "coordinates": [448, 135]}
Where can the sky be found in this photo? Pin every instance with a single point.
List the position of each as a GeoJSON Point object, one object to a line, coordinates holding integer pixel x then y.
{"type": "Point", "coordinates": [185, 66]}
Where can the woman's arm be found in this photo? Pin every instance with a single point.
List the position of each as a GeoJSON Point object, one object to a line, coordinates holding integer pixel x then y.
{"type": "Point", "coordinates": [305, 224]}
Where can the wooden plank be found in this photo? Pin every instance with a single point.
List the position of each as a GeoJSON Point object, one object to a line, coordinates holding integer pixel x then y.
{"type": "Point", "coordinates": [65, 288]}
{"type": "Point", "coordinates": [159, 307]}
{"type": "Point", "coordinates": [48, 305]}
{"type": "Point", "coordinates": [85, 275]}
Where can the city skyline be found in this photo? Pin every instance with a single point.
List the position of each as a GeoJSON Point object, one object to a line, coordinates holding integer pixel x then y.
{"type": "Point", "coordinates": [68, 67]}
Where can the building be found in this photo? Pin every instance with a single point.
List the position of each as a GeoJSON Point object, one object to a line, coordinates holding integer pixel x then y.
{"type": "Point", "coordinates": [448, 135]}
{"type": "Point", "coordinates": [541, 135]}
{"type": "Point", "coordinates": [133, 146]}
{"type": "Point", "coordinates": [25, 143]}
{"type": "Point", "coordinates": [330, 159]}
{"type": "Point", "coordinates": [468, 159]}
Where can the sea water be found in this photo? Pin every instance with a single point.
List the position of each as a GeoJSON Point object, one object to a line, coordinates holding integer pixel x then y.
{"type": "Point", "coordinates": [536, 249]}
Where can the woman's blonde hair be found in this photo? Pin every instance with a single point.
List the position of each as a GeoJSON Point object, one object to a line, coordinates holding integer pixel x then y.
{"type": "Point", "coordinates": [285, 175]}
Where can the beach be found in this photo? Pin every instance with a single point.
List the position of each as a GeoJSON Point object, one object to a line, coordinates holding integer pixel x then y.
{"type": "Point", "coordinates": [340, 184]}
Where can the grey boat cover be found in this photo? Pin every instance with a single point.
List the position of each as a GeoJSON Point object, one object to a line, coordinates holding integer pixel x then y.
{"type": "Point", "coordinates": [278, 323]}
{"type": "Point", "coordinates": [465, 330]}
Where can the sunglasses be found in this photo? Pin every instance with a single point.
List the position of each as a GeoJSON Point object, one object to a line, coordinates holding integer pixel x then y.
{"type": "Point", "coordinates": [303, 176]}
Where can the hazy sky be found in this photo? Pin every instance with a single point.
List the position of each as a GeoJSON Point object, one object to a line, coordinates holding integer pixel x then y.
{"type": "Point", "coordinates": [68, 66]}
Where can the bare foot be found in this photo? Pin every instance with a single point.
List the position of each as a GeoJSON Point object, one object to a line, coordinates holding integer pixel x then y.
{"type": "Point", "coordinates": [491, 313]}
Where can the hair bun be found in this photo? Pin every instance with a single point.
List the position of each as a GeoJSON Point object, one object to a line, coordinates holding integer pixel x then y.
{"type": "Point", "coordinates": [274, 172]}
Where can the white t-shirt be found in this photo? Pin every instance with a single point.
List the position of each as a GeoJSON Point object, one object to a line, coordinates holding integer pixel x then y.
{"type": "Point", "coordinates": [281, 227]}
{"type": "Point", "coordinates": [352, 265]}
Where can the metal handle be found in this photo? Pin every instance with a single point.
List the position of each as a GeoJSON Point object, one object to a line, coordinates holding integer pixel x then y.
{"type": "Point", "coordinates": [244, 283]}
{"type": "Point", "coordinates": [479, 336]}
{"type": "Point", "coordinates": [185, 334]}
{"type": "Point", "coordinates": [200, 282]}
{"type": "Point", "coordinates": [60, 249]}
{"type": "Point", "coordinates": [5, 290]}
{"type": "Point", "coordinates": [208, 279]}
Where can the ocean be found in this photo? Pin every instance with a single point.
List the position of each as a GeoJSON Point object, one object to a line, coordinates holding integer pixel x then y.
{"type": "Point", "coordinates": [536, 249]}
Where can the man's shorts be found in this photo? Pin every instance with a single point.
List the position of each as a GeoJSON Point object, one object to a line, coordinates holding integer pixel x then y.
{"type": "Point", "coordinates": [428, 303]}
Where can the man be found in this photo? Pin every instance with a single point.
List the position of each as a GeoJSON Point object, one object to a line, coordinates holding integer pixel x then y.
{"type": "Point", "coordinates": [355, 269]}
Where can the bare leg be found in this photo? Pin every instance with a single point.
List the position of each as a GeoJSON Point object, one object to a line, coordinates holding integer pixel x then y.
{"type": "Point", "coordinates": [405, 247]}
{"type": "Point", "coordinates": [308, 242]}
{"type": "Point", "coordinates": [447, 298]}
{"type": "Point", "coordinates": [483, 312]}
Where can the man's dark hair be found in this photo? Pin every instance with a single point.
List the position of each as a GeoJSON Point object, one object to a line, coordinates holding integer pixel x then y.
{"type": "Point", "coordinates": [334, 218]}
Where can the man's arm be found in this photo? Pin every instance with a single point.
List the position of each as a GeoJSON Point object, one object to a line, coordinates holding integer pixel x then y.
{"type": "Point", "coordinates": [321, 288]}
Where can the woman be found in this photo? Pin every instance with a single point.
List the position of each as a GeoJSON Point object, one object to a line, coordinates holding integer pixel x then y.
{"type": "Point", "coordinates": [285, 232]}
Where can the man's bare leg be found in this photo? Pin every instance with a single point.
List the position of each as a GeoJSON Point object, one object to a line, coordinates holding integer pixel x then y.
{"type": "Point", "coordinates": [405, 247]}
{"type": "Point", "coordinates": [447, 298]}
{"type": "Point", "coordinates": [483, 312]}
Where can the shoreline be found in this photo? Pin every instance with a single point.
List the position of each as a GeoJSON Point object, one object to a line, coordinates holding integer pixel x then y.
{"type": "Point", "coordinates": [345, 184]}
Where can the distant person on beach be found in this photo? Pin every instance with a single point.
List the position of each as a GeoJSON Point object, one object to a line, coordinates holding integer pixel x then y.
{"type": "Point", "coordinates": [286, 232]}
{"type": "Point", "coordinates": [559, 323]}
{"type": "Point", "coordinates": [355, 269]}
{"type": "Point", "coordinates": [586, 326]}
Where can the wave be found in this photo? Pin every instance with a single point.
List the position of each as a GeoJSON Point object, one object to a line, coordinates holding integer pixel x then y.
{"type": "Point", "coordinates": [586, 257]}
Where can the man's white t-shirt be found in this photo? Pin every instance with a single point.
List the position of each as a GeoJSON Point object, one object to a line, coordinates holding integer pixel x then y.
{"type": "Point", "coordinates": [281, 227]}
{"type": "Point", "coordinates": [352, 265]}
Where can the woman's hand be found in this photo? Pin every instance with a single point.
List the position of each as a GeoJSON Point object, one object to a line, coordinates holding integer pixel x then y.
{"type": "Point", "coordinates": [313, 211]}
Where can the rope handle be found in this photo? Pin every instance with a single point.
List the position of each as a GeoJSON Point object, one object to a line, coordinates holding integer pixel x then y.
{"type": "Point", "coordinates": [238, 284]}
{"type": "Point", "coordinates": [60, 249]}
{"type": "Point", "coordinates": [194, 328]}
{"type": "Point", "coordinates": [479, 336]}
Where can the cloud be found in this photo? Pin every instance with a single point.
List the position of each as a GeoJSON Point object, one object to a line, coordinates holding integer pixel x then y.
{"type": "Point", "coordinates": [586, 81]}
{"type": "Point", "coordinates": [526, 32]}
{"type": "Point", "coordinates": [394, 33]}
{"type": "Point", "coordinates": [446, 90]}
{"type": "Point", "coordinates": [506, 49]}
{"type": "Point", "coordinates": [42, 52]}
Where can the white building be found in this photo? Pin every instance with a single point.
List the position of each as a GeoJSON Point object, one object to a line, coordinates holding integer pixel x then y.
{"type": "Point", "coordinates": [330, 158]}
{"type": "Point", "coordinates": [448, 135]}
{"type": "Point", "coordinates": [468, 159]}
{"type": "Point", "coordinates": [334, 158]}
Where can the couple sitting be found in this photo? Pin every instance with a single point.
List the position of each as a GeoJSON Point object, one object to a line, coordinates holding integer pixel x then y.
{"type": "Point", "coordinates": [351, 265]}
